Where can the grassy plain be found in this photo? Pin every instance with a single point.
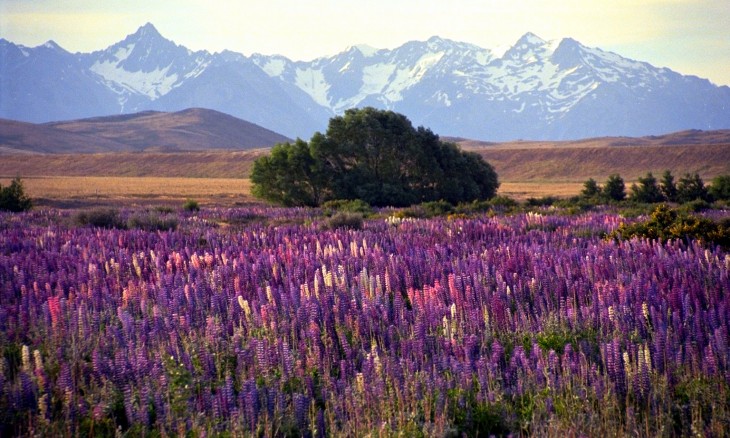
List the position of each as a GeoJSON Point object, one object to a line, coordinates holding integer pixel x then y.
{"type": "Point", "coordinates": [220, 178]}
{"type": "Point", "coordinates": [83, 191]}
{"type": "Point", "coordinates": [80, 191]}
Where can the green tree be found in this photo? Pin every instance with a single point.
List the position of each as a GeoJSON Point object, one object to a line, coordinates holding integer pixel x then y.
{"type": "Point", "coordinates": [376, 156]}
{"type": "Point", "coordinates": [691, 187]}
{"type": "Point", "coordinates": [13, 197]}
{"type": "Point", "coordinates": [720, 187]}
{"type": "Point", "coordinates": [647, 191]}
{"type": "Point", "coordinates": [591, 188]}
{"type": "Point", "coordinates": [614, 188]}
{"type": "Point", "coordinates": [668, 187]}
{"type": "Point", "coordinates": [289, 175]}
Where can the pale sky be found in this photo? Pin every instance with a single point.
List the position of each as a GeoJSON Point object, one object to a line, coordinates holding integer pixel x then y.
{"type": "Point", "coordinates": [688, 36]}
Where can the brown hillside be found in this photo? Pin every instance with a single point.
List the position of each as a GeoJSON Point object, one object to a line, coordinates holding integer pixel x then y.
{"type": "Point", "coordinates": [682, 138]}
{"type": "Point", "coordinates": [579, 164]}
{"type": "Point", "coordinates": [210, 164]}
{"type": "Point", "coordinates": [28, 138]}
{"type": "Point", "coordinates": [189, 130]}
{"type": "Point", "coordinates": [540, 164]}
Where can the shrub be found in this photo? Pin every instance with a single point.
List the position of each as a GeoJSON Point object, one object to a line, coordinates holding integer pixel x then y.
{"type": "Point", "coordinates": [720, 187]}
{"type": "Point", "coordinates": [152, 222]}
{"type": "Point", "coordinates": [647, 191]}
{"type": "Point", "coordinates": [164, 209]}
{"type": "Point", "coordinates": [614, 189]}
{"type": "Point", "coordinates": [348, 206]}
{"type": "Point", "coordinates": [503, 202]}
{"type": "Point", "coordinates": [99, 217]}
{"type": "Point", "coordinates": [668, 187]}
{"type": "Point", "coordinates": [191, 205]}
{"type": "Point", "coordinates": [667, 223]}
{"type": "Point", "coordinates": [691, 187]}
{"type": "Point", "coordinates": [590, 189]}
{"type": "Point", "coordinates": [473, 207]}
{"type": "Point", "coordinates": [353, 221]}
{"type": "Point", "coordinates": [577, 204]}
{"type": "Point", "coordinates": [545, 201]}
{"type": "Point", "coordinates": [13, 197]}
{"type": "Point", "coordinates": [695, 206]}
{"type": "Point", "coordinates": [437, 208]}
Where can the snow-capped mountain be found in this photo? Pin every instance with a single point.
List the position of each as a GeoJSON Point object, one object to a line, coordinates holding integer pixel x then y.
{"type": "Point", "coordinates": [145, 65]}
{"type": "Point", "coordinates": [535, 89]}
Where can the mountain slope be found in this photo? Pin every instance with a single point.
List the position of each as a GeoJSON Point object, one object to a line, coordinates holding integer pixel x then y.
{"type": "Point", "coordinates": [537, 89]}
{"type": "Point", "coordinates": [189, 130]}
{"type": "Point", "coordinates": [48, 83]}
{"type": "Point", "coordinates": [29, 138]}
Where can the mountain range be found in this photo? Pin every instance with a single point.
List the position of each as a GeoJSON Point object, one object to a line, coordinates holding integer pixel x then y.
{"type": "Point", "coordinates": [537, 89]}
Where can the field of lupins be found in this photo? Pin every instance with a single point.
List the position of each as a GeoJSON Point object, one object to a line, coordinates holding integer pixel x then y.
{"type": "Point", "coordinates": [260, 322]}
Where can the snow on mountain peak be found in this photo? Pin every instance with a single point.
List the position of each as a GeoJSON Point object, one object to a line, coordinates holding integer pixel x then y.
{"type": "Point", "coordinates": [366, 50]}
{"type": "Point", "coordinates": [538, 88]}
{"type": "Point", "coordinates": [50, 44]}
{"type": "Point", "coordinates": [146, 63]}
{"type": "Point", "coordinates": [530, 39]}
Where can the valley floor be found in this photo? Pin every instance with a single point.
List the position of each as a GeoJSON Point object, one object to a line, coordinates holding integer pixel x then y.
{"type": "Point", "coordinates": [220, 178]}
{"type": "Point", "coordinates": [85, 191]}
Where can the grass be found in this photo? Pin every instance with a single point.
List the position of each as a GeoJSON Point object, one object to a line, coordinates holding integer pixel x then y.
{"type": "Point", "coordinates": [525, 171]}
{"type": "Point", "coordinates": [76, 191]}
{"type": "Point", "coordinates": [512, 163]}
{"type": "Point", "coordinates": [521, 190]}
{"type": "Point", "coordinates": [580, 163]}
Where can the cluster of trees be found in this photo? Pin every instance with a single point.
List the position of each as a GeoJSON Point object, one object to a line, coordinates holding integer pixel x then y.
{"type": "Point", "coordinates": [689, 188]}
{"type": "Point", "coordinates": [13, 197]}
{"type": "Point", "coordinates": [376, 156]}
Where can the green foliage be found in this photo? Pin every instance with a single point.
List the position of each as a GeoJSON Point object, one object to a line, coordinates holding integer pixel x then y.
{"type": "Point", "coordinates": [376, 156]}
{"type": "Point", "coordinates": [473, 207]}
{"type": "Point", "coordinates": [503, 202]}
{"type": "Point", "coordinates": [545, 201]}
{"type": "Point", "coordinates": [164, 209]}
{"type": "Point", "coordinates": [437, 208]}
{"type": "Point", "coordinates": [647, 191]}
{"type": "Point", "coordinates": [577, 204]}
{"type": "Point", "coordinates": [13, 197]}
{"type": "Point", "coordinates": [668, 187]}
{"type": "Point", "coordinates": [353, 221]}
{"type": "Point", "coordinates": [348, 206]}
{"type": "Point", "coordinates": [636, 209]}
{"type": "Point", "coordinates": [667, 223]}
{"type": "Point", "coordinates": [99, 217]}
{"type": "Point", "coordinates": [720, 188]}
{"type": "Point", "coordinates": [591, 189]}
{"type": "Point", "coordinates": [290, 176]}
{"type": "Point", "coordinates": [694, 206]}
{"type": "Point", "coordinates": [152, 222]}
{"type": "Point", "coordinates": [614, 189]}
{"type": "Point", "coordinates": [691, 187]}
{"type": "Point", "coordinates": [191, 205]}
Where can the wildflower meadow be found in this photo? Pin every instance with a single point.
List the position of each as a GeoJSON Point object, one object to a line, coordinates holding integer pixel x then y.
{"type": "Point", "coordinates": [263, 322]}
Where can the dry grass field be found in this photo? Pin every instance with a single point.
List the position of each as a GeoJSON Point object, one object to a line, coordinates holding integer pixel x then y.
{"type": "Point", "coordinates": [525, 169]}
{"type": "Point", "coordinates": [80, 191]}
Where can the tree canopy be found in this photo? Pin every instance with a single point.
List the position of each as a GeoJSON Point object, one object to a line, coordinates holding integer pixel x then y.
{"type": "Point", "coordinates": [373, 155]}
{"type": "Point", "coordinates": [13, 197]}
